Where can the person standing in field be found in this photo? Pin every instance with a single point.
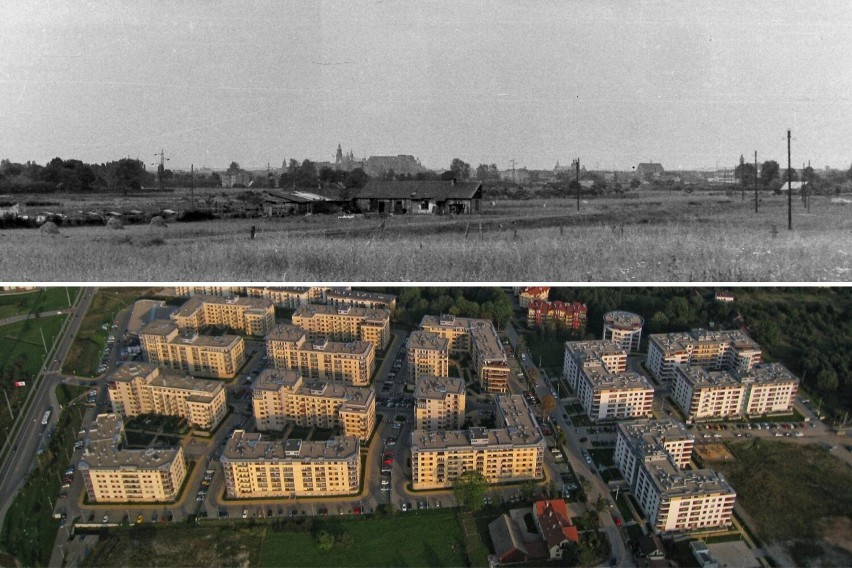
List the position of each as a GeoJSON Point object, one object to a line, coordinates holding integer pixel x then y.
{"type": "Point", "coordinates": [253, 231]}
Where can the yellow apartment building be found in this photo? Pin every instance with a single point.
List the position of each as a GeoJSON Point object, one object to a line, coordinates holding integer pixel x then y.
{"type": "Point", "coordinates": [439, 403]}
{"type": "Point", "coordinates": [428, 354]}
{"type": "Point", "coordinates": [280, 396]}
{"type": "Point", "coordinates": [252, 316]}
{"type": "Point", "coordinates": [345, 323]}
{"type": "Point", "coordinates": [256, 467]}
{"type": "Point", "coordinates": [353, 362]}
{"type": "Point", "coordinates": [163, 344]}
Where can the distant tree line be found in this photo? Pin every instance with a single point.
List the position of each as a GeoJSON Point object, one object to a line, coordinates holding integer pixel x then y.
{"type": "Point", "coordinates": [73, 176]}
{"type": "Point", "coordinates": [484, 303]}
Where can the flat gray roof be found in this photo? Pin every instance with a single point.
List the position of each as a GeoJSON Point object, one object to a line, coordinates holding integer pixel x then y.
{"type": "Point", "coordinates": [245, 446]}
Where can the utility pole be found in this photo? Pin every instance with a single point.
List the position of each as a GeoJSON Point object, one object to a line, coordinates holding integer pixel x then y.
{"type": "Point", "coordinates": [577, 180]}
{"type": "Point", "coordinates": [789, 186]}
{"type": "Point", "coordinates": [9, 406]}
{"type": "Point", "coordinates": [513, 169]}
{"type": "Point", "coordinates": [161, 168]}
{"type": "Point", "coordinates": [755, 181]}
{"type": "Point", "coordinates": [192, 186]}
{"type": "Point", "coordinates": [43, 342]}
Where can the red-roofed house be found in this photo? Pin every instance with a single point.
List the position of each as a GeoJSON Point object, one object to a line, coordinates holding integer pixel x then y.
{"type": "Point", "coordinates": [527, 295]}
{"type": "Point", "coordinates": [508, 541]}
{"type": "Point", "coordinates": [553, 523]}
{"type": "Point", "coordinates": [569, 315]}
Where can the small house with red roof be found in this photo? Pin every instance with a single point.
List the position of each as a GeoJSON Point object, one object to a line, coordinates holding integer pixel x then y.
{"type": "Point", "coordinates": [554, 525]}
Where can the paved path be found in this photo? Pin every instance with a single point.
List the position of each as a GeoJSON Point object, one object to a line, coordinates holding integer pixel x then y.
{"type": "Point", "coordinates": [15, 319]}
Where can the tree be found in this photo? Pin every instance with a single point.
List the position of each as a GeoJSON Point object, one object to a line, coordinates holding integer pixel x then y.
{"type": "Point", "coordinates": [745, 174]}
{"type": "Point", "coordinates": [469, 489]}
{"type": "Point", "coordinates": [600, 505]}
{"type": "Point", "coordinates": [356, 179]}
{"type": "Point", "coordinates": [325, 541]}
{"type": "Point", "coordinates": [827, 380]}
{"type": "Point", "coordinates": [528, 489]}
{"type": "Point", "coordinates": [482, 173]}
{"type": "Point", "coordinates": [460, 169]}
{"type": "Point", "coordinates": [769, 172]}
{"type": "Point", "coordinates": [548, 404]}
{"type": "Point", "coordinates": [792, 174]}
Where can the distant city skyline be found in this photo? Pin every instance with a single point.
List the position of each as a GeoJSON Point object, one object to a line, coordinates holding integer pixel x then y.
{"type": "Point", "coordinates": [689, 85]}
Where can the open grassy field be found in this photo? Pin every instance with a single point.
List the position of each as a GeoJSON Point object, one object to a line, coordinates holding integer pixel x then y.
{"type": "Point", "coordinates": [85, 353]}
{"type": "Point", "coordinates": [21, 356]}
{"type": "Point", "coordinates": [648, 236]}
{"type": "Point", "coordinates": [794, 493]}
{"type": "Point", "coordinates": [180, 545]}
{"type": "Point", "coordinates": [432, 538]}
{"type": "Point", "coordinates": [35, 301]}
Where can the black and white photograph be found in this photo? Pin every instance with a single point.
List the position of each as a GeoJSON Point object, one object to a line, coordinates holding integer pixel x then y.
{"type": "Point", "coordinates": [647, 141]}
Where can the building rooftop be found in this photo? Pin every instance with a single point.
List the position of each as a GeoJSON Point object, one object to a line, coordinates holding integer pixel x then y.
{"type": "Point", "coordinates": [671, 481]}
{"type": "Point", "coordinates": [245, 446]}
{"type": "Point", "coordinates": [197, 302]}
{"type": "Point", "coordinates": [164, 328]}
{"type": "Point", "coordinates": [164, 378]}
{"type": "Point", "coordinates": [311, 310]}
{"type": "Point", "coordinates": [360, 295]}
{"type": "Point", "coordinates": [520, 428]}
{"type": "Point", "coordinates": [487, 342]}
{"type": "Point", "coordinates": [699, 377]}
{"type": "Point", "coordinates": [602, 379]}
{"type": "Point", "coordinates": [428, 386]}
{"type": "Point", "coordinates": [158, 327]}
{"type": "Point", "coordinates": [426, 340]}
{"type": "Point", "coordinates": [284, 332]}
{"type": "Point", "coordinates": [685, 340]}
{"type": "Point", "coordinates": [623, 320]}
{"type": "Point", "coordinates": [354, 398]}
{"type": "Point", "coordinates": [647, 438]}
{"type": "Point", "coordinates": [103, 449]}
{"type": "Point", "coordinates": [590, 352]}
{"type": "Point", "coordinates": [767, 373]}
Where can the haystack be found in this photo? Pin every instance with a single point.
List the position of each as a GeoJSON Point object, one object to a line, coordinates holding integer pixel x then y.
{"type": "Point", "coordinates": [114, 223]}
{"type": "Point", "coordinates": [158, 222]}
{"type": "Point", "coordinates": [49, 228]}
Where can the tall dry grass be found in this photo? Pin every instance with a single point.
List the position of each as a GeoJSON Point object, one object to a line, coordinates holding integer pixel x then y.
{"type": "Point", "coordinates": [652, 238]}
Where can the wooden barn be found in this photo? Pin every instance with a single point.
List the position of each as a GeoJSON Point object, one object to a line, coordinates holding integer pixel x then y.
{"type": "Point", "coordinates": [420, 197]}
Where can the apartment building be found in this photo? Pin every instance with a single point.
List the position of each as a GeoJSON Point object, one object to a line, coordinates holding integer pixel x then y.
{"type": "Point", "coordinates": [568, 315]}
{"type": "Point", "coordinates": [716, 350]}
{"type": "Point", "coordinates": [640, 441]}
{"type": "Point", "coordinates": [428, 354]}
{"type": "Point", "coordinates": [143, 388]}
{"type": "Point", "coordinates": [211, 290]}
{"type": "Point", "coordinates": [624, 329]}
{"type": "Point", "coordinates": [512, 452]}
{"type": "Point", "coordinates": [527, 295]}
{"type": "Point", "coordinates": [478, 338]}
{"type": "Point", "coordinates": [252, 316]}
{"type": "Point", "coordinates": [359, 299]}
{"type": "Point", "coordinates": [164, 344]}
{"type": "Point", "coordinates": [611, 396]}
{"type": "Point", "coordinates": [581, 354]}
{"type": "Point", "coordinates": [768, 388]}
{"type": "Point", "coordinates": [345, 323]}
{"type": "Point", "coordinates": [439, 403]}
{"type": "Point", "coordinates": [256, 467]}
{"type": "Point", "coordinates": [113, 474]}
{"type": "Point", "coordinates": [353, 362]}
{"type": "Point", "coordinates": [286, 297]}
{"type": "Point", "coordinates": [280, 396]}
{"type": "Point", "coordinates": [651, 456]}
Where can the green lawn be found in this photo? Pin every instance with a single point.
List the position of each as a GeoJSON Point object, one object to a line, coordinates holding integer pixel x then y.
{"type": "Point", "coordinates": [603, 457]}
{"type": "Point", "coordinates": [432, 538]}
{"type": "Point", "coordinates": [37, 301]}
{"type": "Point", "coordinates": [21, 356]}
{"type": "Point", "coordinates": [551, 352]}
{"type": "Point", "coordinates": [85, 353]}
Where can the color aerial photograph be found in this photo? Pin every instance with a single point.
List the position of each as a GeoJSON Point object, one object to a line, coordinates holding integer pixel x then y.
{"type": "Point", "coordinates": [245, 425]}
{"type": "Point", "coordinates": [450, 141]}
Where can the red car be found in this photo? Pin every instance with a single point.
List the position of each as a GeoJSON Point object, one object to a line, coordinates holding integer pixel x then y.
{"type": "Point", "coordinates": [388, 461]}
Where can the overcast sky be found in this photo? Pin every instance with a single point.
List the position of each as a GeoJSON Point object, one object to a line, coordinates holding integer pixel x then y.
{"type": "Point", "coordinates": [687, 84]}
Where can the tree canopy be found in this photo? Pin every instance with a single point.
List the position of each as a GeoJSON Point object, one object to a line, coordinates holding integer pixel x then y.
{"type": "Point", "coordinates": [469, 489]}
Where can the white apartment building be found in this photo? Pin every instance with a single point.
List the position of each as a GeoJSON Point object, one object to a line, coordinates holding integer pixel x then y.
{"type": "Point", "coordinates": [428, 354]}
{"type": "Point", "coordinates": [280, 396]}
{"type": "Point", "coordinates": [582, 354]}
{"type": "Point", "coordinates": [715, 350]}
{"type": "Point", "coordinates": [143, 388]}
{"type": "Point", "coordinates": [439, 403]}
{"type": "Point", "coordinates": [612, 396]}
{"type": "Point", "coordinates": [624, 329]}
{"type": "Point", "coordinates": [651, 456]}
{"type": "Point", "coordinates": [256, 467]}
{"type": "Point", "coordinates": [768, 388]}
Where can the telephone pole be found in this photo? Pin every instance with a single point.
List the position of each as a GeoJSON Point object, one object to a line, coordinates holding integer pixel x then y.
{"type": "Point", "coordinates": [577, 180]}
{"type": "Point", "coordinates": [161, 168]}
{"type": "Point", "coordinates": [192, 186]}
{"type": "Point", "coordinates": [755, 181]}
{"type": "Point", "coordinates": [789, 186]}
{"type": "Point", "coordinates": [513, 169]}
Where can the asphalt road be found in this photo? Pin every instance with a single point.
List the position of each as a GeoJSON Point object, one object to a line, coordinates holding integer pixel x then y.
{"type": "Point", "coordinates": [18, 463]}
